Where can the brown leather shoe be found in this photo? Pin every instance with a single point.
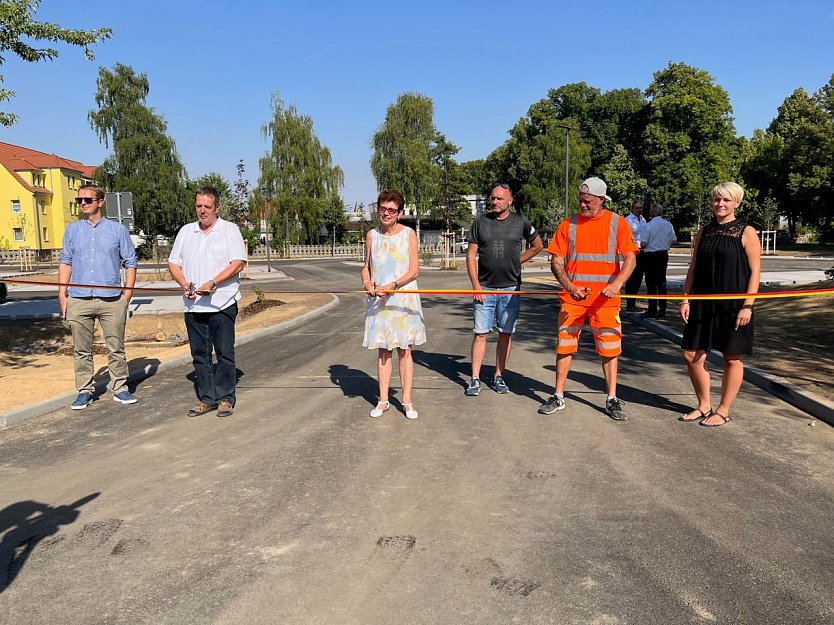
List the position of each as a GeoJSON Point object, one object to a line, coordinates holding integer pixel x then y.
{"type": "Point", "coordinates": [201, 408]}
{"type": "Point", "coordinates": [225, 409]}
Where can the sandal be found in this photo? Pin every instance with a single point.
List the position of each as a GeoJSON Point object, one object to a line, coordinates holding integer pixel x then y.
{"type": "Point", "coordinates": [377, 412]}
{"type": "Point", "coordinates": [724, 419]}
{"type": "Point", "coordinates": [701, 415]}
{"type": "Point", "coordinates": [410, 413]}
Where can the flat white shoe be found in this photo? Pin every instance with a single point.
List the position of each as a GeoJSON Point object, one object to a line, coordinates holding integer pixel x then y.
{"type": "Point", "coordinates": [377, 412]}
{"type": "Point", "coordinates": [410, 413]}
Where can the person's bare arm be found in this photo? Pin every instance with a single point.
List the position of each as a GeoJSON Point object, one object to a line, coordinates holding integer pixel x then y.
{"type": "Point", "coordinates": [557, 267]}
{"type": "Point", "coordinates": [535, 247]}
{"type": "Point", "coordinates": [472, 269]}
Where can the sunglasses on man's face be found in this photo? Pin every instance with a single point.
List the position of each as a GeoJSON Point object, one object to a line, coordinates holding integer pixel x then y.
{"type": "Point", "coordinates": [86, 200]}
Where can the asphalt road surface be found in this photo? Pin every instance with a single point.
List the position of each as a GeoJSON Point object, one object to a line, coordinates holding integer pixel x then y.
{"type": "Point", "coordinates": [301, 509]}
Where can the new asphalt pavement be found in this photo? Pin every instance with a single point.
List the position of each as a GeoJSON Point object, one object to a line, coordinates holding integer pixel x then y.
{"type": "Point", "coordinates": [301, 509]}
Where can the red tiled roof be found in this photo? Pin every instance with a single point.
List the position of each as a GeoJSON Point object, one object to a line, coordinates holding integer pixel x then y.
{"type": "Point", "coordinates": [16, 158]}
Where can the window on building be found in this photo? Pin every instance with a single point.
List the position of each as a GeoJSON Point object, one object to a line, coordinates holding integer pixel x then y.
{"type": "Point", "coordinates": [42, 206]}
{"type": "Point", "coordinates": [45, 233]}
{"type": "Point", "coordinates": [18, 234]}
{"type": "Point", "coordinates": [15, 206]}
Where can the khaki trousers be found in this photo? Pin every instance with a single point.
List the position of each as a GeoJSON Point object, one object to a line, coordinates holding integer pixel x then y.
{"type": "Point", "coordinates": [111, 313]}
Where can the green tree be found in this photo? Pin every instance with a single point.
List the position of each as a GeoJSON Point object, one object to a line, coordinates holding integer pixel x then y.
{"type": "Point", "coordinates": [18, 26]}
{"type": "Point", "coordinates": [452, 208]}
{"type": "Point", "coordinates": [298, 181]}
{"type": "Point", "coordinates": [216, 180]}
{"type": "Point", "coordinates": [689, 142]}
{"type": "Point", "coordinates": [402, 152]}
{"type": "Point", "coordinates": [241, 198]}
{"type": "Point", "coordinates": [624, 183]}
{"type": "Point", "coordinates": [793, 160]}
{"type": "Point", "coordinates": [475, 177]}
{"type": "Point", "coordinates": [532, 162]}
{"type": "Point", "coordinates": [605, 120]}
{"type": "Point", "coordinates": [144, 159]}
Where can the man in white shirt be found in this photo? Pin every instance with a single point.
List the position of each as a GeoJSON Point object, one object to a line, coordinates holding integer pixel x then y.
{"type": "Point", "coordinates": [637, 224]}
{"type": "Point", "coordinates": [205, 260]}
{"type": "Point", "coordinates": [659, 237]}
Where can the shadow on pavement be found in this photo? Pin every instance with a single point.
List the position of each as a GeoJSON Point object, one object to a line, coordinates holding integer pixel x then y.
{"type": "Point", "coordinates": [28, 523]}
{"type": "Point", "coordinates": [355, 383]}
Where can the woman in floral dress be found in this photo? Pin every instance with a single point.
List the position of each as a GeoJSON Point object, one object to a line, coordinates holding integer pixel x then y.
{"type": "Point", "coordinates": [393, 320]}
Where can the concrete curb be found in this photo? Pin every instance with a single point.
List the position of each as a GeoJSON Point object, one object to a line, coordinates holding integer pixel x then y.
{"type": "Point", "coordinates": [62, 401]}
{"type": "Point", "coordinates": [806, 401]}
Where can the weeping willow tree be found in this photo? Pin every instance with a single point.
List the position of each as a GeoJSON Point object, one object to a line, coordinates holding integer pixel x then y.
{"type": "Point", "coordinates": [298, 182]}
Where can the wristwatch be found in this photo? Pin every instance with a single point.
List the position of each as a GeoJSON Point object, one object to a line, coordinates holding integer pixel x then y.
{"type": "Point", "coordinates": [213, 285]}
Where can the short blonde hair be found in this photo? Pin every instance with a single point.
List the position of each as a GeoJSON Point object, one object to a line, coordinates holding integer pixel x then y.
{"type": "Point", "coordinates": [729, 190]}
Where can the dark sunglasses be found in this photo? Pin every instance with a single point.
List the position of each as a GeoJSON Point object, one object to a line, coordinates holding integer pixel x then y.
{"type": "Point", "coordinates": [86, 200]}
{"type": "Point", "coordinates": [503, 185]}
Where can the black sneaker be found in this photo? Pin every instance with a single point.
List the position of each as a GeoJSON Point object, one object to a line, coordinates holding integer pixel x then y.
{"type": "Point", "coordinates": [614, 409]}
{"type": "Point", "coordinates": [474, 388]}
{"type": "Point", "coordinates": [499, 385]}
{"type": "Point", "coordinates": [552, 405]}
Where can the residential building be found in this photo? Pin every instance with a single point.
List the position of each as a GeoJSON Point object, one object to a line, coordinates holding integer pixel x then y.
{"type": "Point", "coordinates": [37, 198]}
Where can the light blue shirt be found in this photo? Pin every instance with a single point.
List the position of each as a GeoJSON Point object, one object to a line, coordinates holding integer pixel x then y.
{"type": "Point", "coordinates": [96, 253]}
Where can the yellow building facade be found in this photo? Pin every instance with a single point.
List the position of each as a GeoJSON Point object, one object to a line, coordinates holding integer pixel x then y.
{"type": "Point", "coordinates": [37, 197]}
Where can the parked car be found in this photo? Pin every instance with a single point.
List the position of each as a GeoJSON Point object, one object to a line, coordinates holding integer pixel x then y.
{"type": "Point", "coordinates": [461, 245]}
{"type": "Point", "coordinates": [783, 237]}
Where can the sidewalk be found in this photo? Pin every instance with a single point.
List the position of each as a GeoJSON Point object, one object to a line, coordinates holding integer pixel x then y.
{"type": "Point", "coordinates": [141, 303]}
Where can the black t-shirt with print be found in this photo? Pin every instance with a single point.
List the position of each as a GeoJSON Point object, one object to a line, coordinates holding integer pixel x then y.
{"type": "Point", "coordinates": [499, 248]}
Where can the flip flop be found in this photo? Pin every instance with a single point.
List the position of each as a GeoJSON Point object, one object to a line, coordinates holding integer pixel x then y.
{"type": "Point", "coordinates": [701, 415]}
{"type": "Point", "coordinates": [724, 419]}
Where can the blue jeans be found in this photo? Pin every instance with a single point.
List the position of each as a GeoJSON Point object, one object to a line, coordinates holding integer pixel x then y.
{"type": "Point", "coordinates": [496, 310]}
{"type": "Point", "coordinates": [215, 382]}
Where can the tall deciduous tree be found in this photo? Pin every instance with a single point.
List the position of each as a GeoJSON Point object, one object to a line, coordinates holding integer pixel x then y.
{"type": "Point", "coordinates": [689, 143]}
{"type": "Point", "coordinates": [625, 185]}
{"type": "Point", "coordinates": [216, 180]}
{"type": "Point", "coordinates": [403, 147]}
{"type": "Point", "coordinates": [18, 26]}
{"type": "Point", "coordinates": [297, 177]}
{"type": "Point", "coordinates": [802, 149]}
{"type": "Point", "coordinates": [475, 177]}
{"type": "Point", "coordinates": [144, 159]}
{"type": "Point", "coordinates": [532, 162]}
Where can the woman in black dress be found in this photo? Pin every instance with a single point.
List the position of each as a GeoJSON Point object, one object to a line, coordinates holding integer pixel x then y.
{"type": "Point", "coordinates": [726, 259]}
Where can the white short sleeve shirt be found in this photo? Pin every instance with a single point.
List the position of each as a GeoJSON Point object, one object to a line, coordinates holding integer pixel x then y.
{"type": "Point", "coordinates": [204, 255]}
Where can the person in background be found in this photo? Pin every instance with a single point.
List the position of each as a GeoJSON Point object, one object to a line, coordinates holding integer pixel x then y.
{"type": "Point", "coordinates": [659, 237]}
{"type": "Point", "coordinates": [637, 223]}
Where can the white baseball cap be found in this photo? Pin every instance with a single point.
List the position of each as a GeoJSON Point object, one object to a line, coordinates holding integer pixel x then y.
{"type": "Point", "coordinates": [595, 186]}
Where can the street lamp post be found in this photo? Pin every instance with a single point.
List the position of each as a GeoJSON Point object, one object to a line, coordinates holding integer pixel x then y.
{"type": "Point", "coordinates": [567, 166]}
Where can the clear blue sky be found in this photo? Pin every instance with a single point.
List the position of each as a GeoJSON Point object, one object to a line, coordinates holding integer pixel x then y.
{"type": "Point", "coordinates": [213, 64]}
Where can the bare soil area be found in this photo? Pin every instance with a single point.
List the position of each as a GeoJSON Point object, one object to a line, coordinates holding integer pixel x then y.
{"type": "Point", "coordinates": [794, 337]}
{"type": "Point", "coordinates": [36, 356]}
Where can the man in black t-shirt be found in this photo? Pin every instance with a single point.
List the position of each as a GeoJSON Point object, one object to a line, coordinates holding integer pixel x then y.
{"type": "Point", "coordinates": [493, 261]}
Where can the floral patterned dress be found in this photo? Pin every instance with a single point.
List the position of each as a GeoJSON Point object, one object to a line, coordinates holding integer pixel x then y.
{"type": "Point", "coordinates": [396, 320]}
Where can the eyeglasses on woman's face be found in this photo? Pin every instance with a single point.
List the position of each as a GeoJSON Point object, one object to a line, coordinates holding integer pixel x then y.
{"type": "Point", "coordinates": [388, 211]}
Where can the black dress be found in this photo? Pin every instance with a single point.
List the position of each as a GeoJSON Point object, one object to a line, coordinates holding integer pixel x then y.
{"type": "Point", "coordinates": [720, 267]}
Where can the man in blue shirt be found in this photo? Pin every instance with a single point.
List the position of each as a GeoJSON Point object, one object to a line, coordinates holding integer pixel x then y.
{"type": "Point", "coordinates": [94, 250]}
